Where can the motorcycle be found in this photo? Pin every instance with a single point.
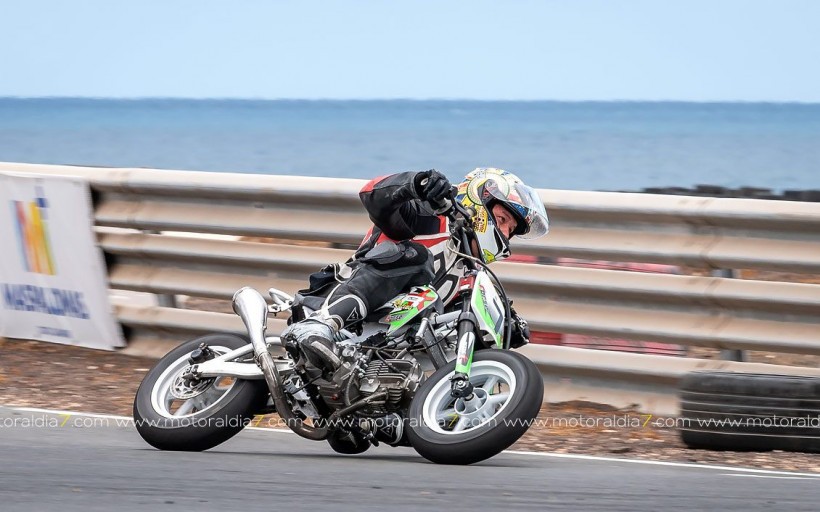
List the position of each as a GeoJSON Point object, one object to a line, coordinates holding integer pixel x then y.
{"type": "Point", "coordinates": [476, 399]}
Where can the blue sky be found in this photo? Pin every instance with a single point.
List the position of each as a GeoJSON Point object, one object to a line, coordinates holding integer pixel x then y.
{"type": "Point", "coordinates": [694, 50]}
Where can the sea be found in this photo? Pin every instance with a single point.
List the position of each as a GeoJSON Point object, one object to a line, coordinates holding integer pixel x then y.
{"type": "Point", "coordinates": [557, 145]}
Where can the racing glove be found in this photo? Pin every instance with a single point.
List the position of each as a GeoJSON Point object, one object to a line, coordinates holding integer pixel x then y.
{"type": "Point", "coordinates": [435, 189]}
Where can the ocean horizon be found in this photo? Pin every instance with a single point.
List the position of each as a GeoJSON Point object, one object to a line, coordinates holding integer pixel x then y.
{"type": "Point", "coordinates": [399, 99]}
{"type": "Point", "coordinates": [586, 145]}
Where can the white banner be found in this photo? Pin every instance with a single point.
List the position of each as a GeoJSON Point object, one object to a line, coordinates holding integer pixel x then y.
{"type": "Point", "coordinates": [53, 282]}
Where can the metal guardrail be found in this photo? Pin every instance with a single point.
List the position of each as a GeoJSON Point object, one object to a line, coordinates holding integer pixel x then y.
{"type": "Point", "coordinates": [743, 192]}
{"type": "Point", "coordinates": [678, 309]}
{"type": "Point", "coordinates": [707, 233]}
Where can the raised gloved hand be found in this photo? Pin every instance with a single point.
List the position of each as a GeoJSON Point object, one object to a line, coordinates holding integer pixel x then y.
{"type": "Point", "coordinates": [432, 186]}
{"type": "Point", "coordinates": [520, 334]}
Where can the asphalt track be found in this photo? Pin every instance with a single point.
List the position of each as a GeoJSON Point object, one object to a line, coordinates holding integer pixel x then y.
{"type": "Point", "coordinates": [81, 463]}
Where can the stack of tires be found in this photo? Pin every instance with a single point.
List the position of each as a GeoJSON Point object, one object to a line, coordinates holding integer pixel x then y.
{"type": "Point", "coordinates": [750, 412]}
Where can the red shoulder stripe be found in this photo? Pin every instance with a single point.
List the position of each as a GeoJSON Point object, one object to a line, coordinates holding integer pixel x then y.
{"type": "Point", "coordinates": [372, 183]}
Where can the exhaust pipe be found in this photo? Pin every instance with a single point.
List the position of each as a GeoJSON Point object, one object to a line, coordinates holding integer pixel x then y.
{"type": "Point", "coordinates": [252, 308]}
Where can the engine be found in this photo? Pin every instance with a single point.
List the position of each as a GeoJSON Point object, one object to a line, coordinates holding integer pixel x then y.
{"type": "Point", "coordinates": [386, 377]}
{"type": "Point", "coordinates": [400, 378]}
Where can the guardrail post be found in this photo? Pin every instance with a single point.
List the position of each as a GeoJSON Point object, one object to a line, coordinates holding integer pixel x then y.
{"type": "Point", "coordinates": [729, 354]}
{"type": "Point", "coordinates": [167, 301]}
{"type": "Point", "coordinates": [163, 300]}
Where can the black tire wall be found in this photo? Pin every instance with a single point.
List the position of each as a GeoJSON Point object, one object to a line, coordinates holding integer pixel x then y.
{"type": "Point", "coordinates": [750, 412]}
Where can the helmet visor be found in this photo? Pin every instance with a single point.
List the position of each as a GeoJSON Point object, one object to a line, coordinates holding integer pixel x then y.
{"type": "Point", "coordinates": [526, 203]}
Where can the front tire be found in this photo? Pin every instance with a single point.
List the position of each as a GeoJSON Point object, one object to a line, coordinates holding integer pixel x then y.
{"type": "Point", "coordinates": [509, 391]}
{"type": "Point", "coordinates": [216, 410]}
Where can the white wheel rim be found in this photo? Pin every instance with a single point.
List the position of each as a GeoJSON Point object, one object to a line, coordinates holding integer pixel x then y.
{"type": "Point", "coordinates": [494, 385]}
{"type": "Point", "coordinates": [167, 405]}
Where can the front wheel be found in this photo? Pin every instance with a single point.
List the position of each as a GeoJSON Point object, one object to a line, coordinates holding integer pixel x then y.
{"type": "Point", "coordinates": [172, 413]}
{"type": "Point", "coordinates": [508, 392]}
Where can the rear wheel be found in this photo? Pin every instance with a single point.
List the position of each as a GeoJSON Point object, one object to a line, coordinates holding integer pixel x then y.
{"type": "Point", "coordinates": [172, 413]}
{"type": "Point", "coordinates": [508, 392]}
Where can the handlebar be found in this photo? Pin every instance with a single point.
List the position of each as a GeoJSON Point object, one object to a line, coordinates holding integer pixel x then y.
{"type": "Point", "coordinates": [459, 215]}
{"type": "Point", "coordinates": [453, 209]}
{"type": "Point", "coordinates": [461, 227]}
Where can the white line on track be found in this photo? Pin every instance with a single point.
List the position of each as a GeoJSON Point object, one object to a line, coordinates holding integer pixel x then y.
{"type": "Point", "coordinates": [742, 472]}
{"type": "Point", "coordinates": [70, 413]}
{"type": "Point", "coordinates": [776, 477]}
{"type": "Point", "coordinates": [667, 463]}
{"type": "Point", "coordinates": [120, 418]}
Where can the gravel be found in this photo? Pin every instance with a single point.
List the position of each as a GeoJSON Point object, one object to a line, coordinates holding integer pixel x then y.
{"type": "Point", "coordinates": [46, 375]}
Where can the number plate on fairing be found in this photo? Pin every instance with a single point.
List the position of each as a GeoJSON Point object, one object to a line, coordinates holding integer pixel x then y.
{"type": "Point", "coordinates": [407, 306]}
{"type": "Point", "coordinates": [488, 308]}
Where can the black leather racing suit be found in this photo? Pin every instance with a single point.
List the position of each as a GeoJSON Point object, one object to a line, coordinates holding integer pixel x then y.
{"type": "Point", "coordinates": [408, 245]}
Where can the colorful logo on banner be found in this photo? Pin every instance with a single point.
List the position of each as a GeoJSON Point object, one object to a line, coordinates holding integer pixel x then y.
{"type": "Point", "coordinates": [32, 234]}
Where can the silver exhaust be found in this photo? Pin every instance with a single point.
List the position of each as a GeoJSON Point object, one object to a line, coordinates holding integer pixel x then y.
{"type": "Point", "coordinates": [251, 307]}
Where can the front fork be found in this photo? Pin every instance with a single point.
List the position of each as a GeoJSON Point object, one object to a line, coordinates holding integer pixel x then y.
{"type": "Point", "coordinates": [460, 386]}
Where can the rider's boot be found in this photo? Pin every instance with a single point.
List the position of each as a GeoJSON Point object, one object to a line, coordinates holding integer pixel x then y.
{"type": "Point", "coordinates": [390, 430]}
{"type": "Point", "coordinates": [315, 340]}
{"type": "Point", "coordinates": [314, 335]}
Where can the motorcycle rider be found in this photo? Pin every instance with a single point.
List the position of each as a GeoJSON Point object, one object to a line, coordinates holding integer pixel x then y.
{"type": "Point", "coordinates": [409, 245]}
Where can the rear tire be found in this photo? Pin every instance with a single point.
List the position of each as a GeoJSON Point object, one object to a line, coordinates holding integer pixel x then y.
{"type": "Point", "coordinates": [224, 418]}
{"type": "Point", "coordinates": [441, 442]}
